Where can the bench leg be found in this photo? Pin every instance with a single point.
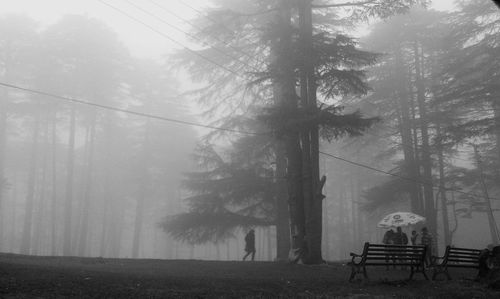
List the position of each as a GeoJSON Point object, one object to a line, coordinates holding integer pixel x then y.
{"type": "Point", "coordinates": [353, 273]}
{"type": "Point", "coordinates": [364, 272]}
{"type": "Point", "coordinates": [425, 274]}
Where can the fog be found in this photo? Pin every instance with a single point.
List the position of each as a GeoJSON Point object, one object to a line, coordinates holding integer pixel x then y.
{"type": "Point", "coordinates": [141, 130]}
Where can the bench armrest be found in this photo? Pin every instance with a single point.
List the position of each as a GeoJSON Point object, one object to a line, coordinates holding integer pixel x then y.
{"type": "Point", "coordinates": [354, 254]}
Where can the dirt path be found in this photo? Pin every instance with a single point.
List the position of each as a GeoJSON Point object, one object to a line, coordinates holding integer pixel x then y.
{"type": "Point", "coordinates": [61, 277]}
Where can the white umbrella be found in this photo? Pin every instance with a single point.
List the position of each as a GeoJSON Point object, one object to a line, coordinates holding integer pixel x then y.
{"type": "Point", "coordinates": [400, 219]}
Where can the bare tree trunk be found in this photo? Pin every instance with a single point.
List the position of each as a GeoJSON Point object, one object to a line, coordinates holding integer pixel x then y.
{"type": "Point", "coordinates": [40, 215]}
{"type": "Point", "coordinates": [13, 228]}
{"type": "Point", "coordinates": [139, 219]}
{"type": "Point", "coordinates": [30, 197]}
{"type": "Point", "coordinates": [84, 228]}
{"type": "Point", "coordinates": [108, 198]}
{"type": "Point", "coordinates": [68, 204]}
{"type": "Point", "coordinates": [287, 97]}
{"type": "Point", "coordinates": [313, 197]}
{"type": "Point", "coordinates": [144, 192]}
{"type": "Point", "coordinates": [442, 190]}
{"type": "Point", "coordinates": [54, 205]}
{"type": "Point", "coordinates": [282, 216]}
{"type": "Point", "coordinates": [489, 211]}
{"type": "Point", "coordinates": [116, 229]}
{"type": "Point", "coordinates": [430, 211]}
{"type": "Point", "coordinates": [3, 139]}
{"type": "Point", "coordinates": [405, 128]}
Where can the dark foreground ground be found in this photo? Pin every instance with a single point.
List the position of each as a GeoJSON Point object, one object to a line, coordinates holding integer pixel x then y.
{"type": "Point", "coordinates": [62, 277]}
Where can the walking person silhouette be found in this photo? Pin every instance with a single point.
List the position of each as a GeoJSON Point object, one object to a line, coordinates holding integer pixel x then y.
{"type": "Point", "coordinates": [250, 244]}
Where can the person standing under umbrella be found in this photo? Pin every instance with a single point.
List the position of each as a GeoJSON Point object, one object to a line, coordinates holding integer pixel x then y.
{"type": "Point", "coordinates": [414, 237]}
{"type": "Point", "coordinates": [400, 238]}
{"type": "Point", "coordinates": [388, 240]}
{"type": "Point", "coordinates": [388, 237]}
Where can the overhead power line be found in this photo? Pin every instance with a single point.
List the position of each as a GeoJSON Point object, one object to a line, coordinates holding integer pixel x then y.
{"type": "Point", "coordinates": [170, 38]}
{"type": "Point", "coordinates": [238, 59]}
{"type": "Point", "coordinates": [200, 30]}
{"type": "Point", "coordinates": [68, 99]}
{"type": "Point", "coordinates": [401, 177]}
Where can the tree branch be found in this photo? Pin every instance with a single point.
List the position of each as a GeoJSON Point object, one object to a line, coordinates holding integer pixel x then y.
{"type": "Point", "coordinates": [256, 13]}
{"type": "Point", "coordinates": [345, 4]}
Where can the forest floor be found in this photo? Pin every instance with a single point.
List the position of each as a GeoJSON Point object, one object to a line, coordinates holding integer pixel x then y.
{"type": "Point", "coordinates": [62, 277]}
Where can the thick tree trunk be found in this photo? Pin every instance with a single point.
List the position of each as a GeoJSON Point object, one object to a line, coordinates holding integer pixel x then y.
{"type": "Point", "coordinates": [282, 217]}
{"type": "Point", "coordinates": [430, 211]}
{"type": "Point", "coordinates": [442, 190]}
{"type": "Point", "coordinates": [287, 97]}
{"type": "Point", "coordinates": [405, 128]}
{"type": "Point", "coordinates": [313, 197]}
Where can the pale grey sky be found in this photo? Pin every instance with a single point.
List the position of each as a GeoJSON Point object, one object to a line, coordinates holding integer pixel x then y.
{"type": "Point", "coordinates": [142, 41]}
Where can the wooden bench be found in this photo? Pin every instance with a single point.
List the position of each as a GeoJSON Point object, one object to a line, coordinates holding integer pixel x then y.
{"type": "Point", "coordinates": [389, 255]}
{"type": "Point", "coordinates": [456, 258]}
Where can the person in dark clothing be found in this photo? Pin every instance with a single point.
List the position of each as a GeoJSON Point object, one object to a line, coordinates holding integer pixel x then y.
{"type": "Point", "coordinates": [414, 237]}
{"type": "Point", "coordinates": [389, 237]}
{"type": "Point", "coordinates": [426, 240]}
{"type": "Point", "coordinates": [250, 244]}
{"type": "Point", "coordinates": [400, 238]}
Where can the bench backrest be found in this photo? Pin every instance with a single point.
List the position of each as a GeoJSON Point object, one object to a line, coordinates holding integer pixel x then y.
{"type": "Point", "coordinates": [382, 254]}
{"type": "Point", "coordinates": [461, 257]}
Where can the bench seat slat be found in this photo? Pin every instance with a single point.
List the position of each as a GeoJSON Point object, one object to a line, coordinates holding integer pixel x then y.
{"type": "Point", "coordinates": [463, 260]}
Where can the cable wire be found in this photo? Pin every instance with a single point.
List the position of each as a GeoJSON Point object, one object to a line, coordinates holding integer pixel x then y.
{"type": "Point", "coordinates": [401, 177]}
{"type": "Point", "coordinates": [252, 57]}
{"type": "Point", "coordinates": [191, 35]}
{"type": "Point", "coordinates": [68, 99]}
{"type": "Point", "coordinates": [171, 39]}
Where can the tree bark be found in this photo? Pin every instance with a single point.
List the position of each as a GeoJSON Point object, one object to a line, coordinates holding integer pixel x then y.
{"type": "Point", "coordinates": [313, 197]}
{"type": "Point", "coordinates": [405, 128]}
{"type": "Point", "coordinates": [282, 217]}
{"type": "Point", "coordinates": [442, 190]}
{"type": "Point", "coordinates": [430, 211]}
{"type": "Point", "coordinates": [287, 97]}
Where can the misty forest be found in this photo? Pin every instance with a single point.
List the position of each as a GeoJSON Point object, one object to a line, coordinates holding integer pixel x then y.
{"type": "Point", "coordinates": [307, 121]}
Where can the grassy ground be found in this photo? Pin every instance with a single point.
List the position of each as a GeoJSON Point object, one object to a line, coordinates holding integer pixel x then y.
{"type": "Point", "coordinates": [62, 277]}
